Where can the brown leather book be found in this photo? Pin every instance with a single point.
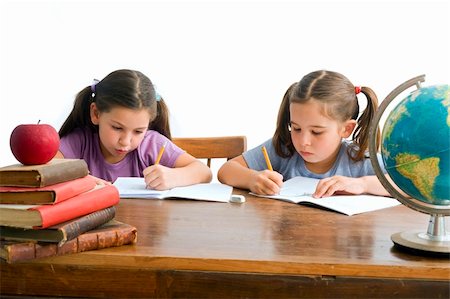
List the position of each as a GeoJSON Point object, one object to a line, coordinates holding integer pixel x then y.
{"type": "Point", "coordinates": [111, 234]}
{"type": "Point", "coordinates": [55, 171]}
{"type": "Point", "coordinates": [60, 233]}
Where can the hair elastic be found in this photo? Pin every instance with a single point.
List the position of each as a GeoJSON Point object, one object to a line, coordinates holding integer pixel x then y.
{"type": "Point", "coordinates": [157, 95]}
{"type": "Point", "coordinates": [94, 83]}
{"type": "Point", "coordinates": [357, 89]}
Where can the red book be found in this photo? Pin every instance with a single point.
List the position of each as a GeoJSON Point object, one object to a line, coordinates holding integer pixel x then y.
{"type": "Point", "coordinates": [46, 195]}
{"type": "Point", "coordinates": [43, 216]}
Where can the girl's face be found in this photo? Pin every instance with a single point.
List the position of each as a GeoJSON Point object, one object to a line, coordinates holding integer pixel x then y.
{"type": "Point", "coordinates": [121, 130]}
{"type": "Point", "coordinates": [317, 137]}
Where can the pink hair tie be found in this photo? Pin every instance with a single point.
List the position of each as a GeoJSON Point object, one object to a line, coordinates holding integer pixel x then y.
{"type": "Point", "coordinates": [357, 89]}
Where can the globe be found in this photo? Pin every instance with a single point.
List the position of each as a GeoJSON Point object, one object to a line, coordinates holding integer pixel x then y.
{"type": "Point", "coordinates": [415, 145]}
{"type": "Point", "coordinates": [415, 149]}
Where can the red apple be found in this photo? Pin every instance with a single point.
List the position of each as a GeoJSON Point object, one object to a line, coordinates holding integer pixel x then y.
{"type": "Point", "coordinates": [34, 144]}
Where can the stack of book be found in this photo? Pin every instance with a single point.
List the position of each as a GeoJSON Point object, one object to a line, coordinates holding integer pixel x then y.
{"type": "Point", "coordinates": [57, 208]}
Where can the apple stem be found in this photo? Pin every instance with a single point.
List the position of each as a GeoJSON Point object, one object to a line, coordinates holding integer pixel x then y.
{"type": "Point", "coordinates": [39, 121]}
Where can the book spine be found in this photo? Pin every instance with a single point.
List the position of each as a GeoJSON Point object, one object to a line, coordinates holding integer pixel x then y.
{"type": "Point", "coordinates": [86, 223]}
{"type": "Point", "coordinates": [46, 195]}
{"type": "Point", "coordinates": [70, 171]}
{"type": "Point", "coordinates": [88, 241]}
{"type": "Point", "coordinates": [80, 205]}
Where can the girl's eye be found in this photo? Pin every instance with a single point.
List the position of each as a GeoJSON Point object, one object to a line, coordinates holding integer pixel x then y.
{"type": "Point", "coordinates": [138, 132]}
{"type": "Point", "coordinates": [316, 133]}
{"type": "Point", "coordinates": [116, 128]}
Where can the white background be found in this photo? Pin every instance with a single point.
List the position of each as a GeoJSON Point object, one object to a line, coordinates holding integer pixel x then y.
{"type": "Point", "coordinates": [222, 66]}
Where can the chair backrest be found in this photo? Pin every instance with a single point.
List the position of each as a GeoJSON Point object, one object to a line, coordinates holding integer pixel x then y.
{"type": "Point", "coordinates": [212, 147]}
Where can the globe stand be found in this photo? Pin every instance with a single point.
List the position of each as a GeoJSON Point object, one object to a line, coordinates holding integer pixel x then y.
{"type": "Point", "coordinates": [436, 240]}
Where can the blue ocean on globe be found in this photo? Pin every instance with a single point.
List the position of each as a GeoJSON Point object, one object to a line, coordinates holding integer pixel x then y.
{"type": "Point", "coordinates": [415, 145]}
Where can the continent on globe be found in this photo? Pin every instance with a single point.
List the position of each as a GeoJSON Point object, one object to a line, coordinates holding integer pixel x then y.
{"type": "Point", "coordinates": [422, 173]}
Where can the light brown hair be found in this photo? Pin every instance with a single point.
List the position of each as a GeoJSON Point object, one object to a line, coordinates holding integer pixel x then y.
{"type": "Point", "coordinates": [338, 95]}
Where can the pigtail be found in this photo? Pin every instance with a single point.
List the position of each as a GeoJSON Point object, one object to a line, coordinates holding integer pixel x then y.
{"type": "Point", "coordinates": [80, 114]}
{"type": "Point", "coordinates": [282, 137]}
{"type": "Point", "coordinates": [161, 121]}
{"type": "Point", "coordinates": [361, 133]}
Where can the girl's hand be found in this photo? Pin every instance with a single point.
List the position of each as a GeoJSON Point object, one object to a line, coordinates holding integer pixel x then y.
{"type": "Point", "coordinates": [266, 182]}
{"type": "Point", "coordinates": [340, 185]}
{"type": "Point", "coordinates": [159, 177]}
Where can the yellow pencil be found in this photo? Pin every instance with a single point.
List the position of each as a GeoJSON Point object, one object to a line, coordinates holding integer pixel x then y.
{"type": "Point", "coordinates": [161, 151]}
{"type": "Point", "coordinates": [266, 156]}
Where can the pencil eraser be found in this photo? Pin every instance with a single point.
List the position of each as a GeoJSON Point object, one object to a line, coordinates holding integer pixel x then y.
{"type": "Point", "coordinates": [237, 198]}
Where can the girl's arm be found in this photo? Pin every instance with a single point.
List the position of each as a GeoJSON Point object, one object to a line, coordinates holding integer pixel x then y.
{"type": "Point", "coordinates": [186, 171]}
{"type": "Point", "coordinates": [347, 185]}
{"type": "Point", "coordinates": [236, 173]}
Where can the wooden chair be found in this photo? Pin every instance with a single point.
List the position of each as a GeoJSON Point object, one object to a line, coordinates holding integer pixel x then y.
{"type": "Point", "coordinates": [212, 147]}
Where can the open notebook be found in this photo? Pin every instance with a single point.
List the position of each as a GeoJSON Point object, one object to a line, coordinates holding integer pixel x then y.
{"type": "Point", "coordinates": [134, 187]}
{"type": "Point", "coordinates": [299, 190]}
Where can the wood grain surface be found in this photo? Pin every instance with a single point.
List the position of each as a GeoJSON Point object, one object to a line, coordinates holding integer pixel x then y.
{"type": "Point", "coordinates": [262, 248]}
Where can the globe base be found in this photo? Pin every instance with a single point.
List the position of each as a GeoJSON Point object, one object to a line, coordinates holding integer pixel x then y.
{"type": "Point", "coordinates": [435, 240]}
{"type": "Point", "coordinates": [422, 242]}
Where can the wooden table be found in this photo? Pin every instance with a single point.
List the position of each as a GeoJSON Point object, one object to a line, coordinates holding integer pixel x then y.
{"type": "Point", "coordinates": [262, 248]}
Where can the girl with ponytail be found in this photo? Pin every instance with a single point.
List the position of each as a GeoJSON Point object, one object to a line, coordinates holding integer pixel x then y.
{"type": "Point", "coordinates": [316, 118]}
{"type": "Point", "coordinates": [118, 125]}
